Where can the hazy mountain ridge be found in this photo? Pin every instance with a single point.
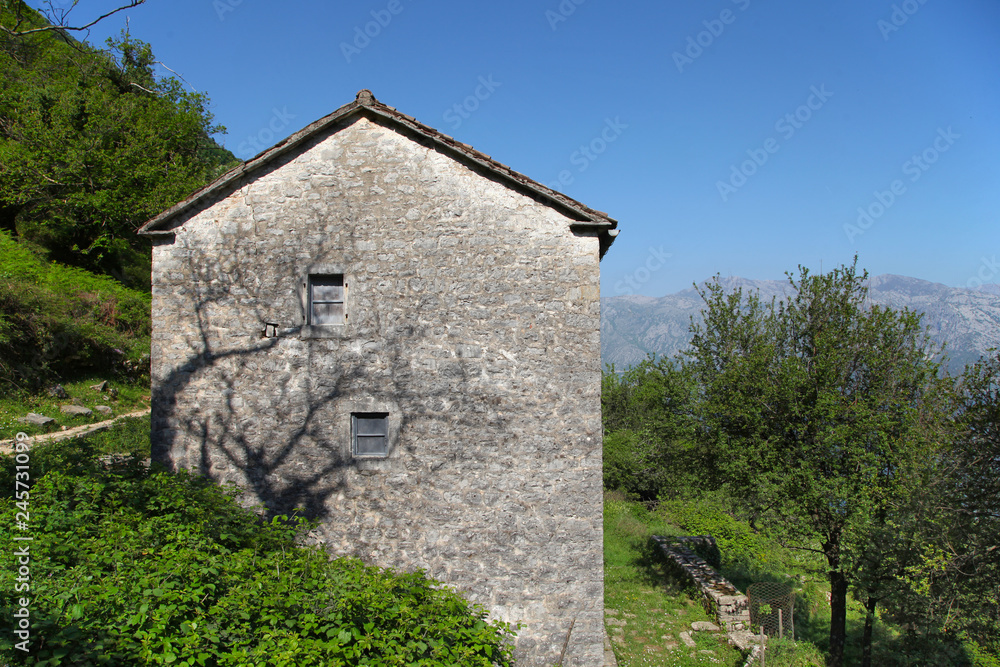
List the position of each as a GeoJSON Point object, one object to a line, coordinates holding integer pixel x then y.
{"type": "Point", "coordinates": [967, 320]}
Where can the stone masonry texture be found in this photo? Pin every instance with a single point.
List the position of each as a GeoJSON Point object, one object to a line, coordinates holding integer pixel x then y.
{"type": "Point", "coordinates": [473, 320]}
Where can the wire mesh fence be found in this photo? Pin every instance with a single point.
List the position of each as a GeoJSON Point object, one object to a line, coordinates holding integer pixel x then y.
{"type": "Point", "coordinates": [772, 609]}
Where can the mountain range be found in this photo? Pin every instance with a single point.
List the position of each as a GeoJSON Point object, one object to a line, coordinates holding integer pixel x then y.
{"type": "Point", "coordinates": [966, 320]}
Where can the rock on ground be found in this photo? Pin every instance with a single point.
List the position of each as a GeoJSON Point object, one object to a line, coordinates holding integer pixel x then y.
{"type": "Point", "coordinates": [36, 419]}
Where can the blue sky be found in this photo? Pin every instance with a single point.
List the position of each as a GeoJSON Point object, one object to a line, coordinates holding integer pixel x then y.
{"type": "Point", "coordinates": [738, 137]}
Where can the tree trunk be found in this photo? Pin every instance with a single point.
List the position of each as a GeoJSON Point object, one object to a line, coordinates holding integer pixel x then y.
{"type": "Point", "coordinates": [838, 617]}
{"type": "Point", "coordinates": [866, 641]}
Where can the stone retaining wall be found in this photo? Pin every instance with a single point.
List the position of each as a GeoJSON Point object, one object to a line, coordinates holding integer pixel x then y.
{"type": "Point", "coordinates": [719, 596]}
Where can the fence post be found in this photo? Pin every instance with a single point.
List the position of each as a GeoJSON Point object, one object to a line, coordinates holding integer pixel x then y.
{"type": "Point", "coordinates": [781, 626]}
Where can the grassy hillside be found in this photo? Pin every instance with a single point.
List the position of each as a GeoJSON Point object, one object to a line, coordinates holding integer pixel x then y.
{"type": "Point", "coordinates": [64, 325]}
{"type": "Point", "coordinates": [93, 143]}
{"type": "Point", "coordinates": [646, 608]}
{"type": "Point", "coordinates": [59, 322]}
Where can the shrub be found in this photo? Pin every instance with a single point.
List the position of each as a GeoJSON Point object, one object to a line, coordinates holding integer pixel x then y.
{"type": "Point", "coordinates": [788, 653]}
{"type": "Point", "coordinates": [131, 566]}
{"type": "Point", "coordinates": [738, 543]}
{"type": "Point", "coordinates": [634, 464]}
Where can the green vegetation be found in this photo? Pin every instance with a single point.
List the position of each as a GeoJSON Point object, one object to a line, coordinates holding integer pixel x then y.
{"type": "Point", "coordinates": [138, 566]}
{"type": "Point", "coordinates": [645, 608]}
{"type": "Point", "coordinates": [819, 409]}
{"type": "Point", "coordinates": [650, 447]}
{"type": "Point", "coordinates": [815, 438]}
{"type": "Point", "coordinates": [93, 144]}
{"type": "Point", "coordinates": [131, 565]}
{"type": "Point", "coordinates": [59, 323]}
{"type": "Point", "coordinates": [124, 398]}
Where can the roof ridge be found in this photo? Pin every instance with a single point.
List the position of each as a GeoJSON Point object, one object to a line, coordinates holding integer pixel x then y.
{"type": "Point", "coordinates": [365, 100]}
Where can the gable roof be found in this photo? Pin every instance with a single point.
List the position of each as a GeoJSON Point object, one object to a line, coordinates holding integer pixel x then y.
{"type": "Point", "coordinates": [585, 219]}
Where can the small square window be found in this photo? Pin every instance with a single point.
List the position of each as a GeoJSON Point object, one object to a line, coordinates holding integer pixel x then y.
{"type": "Point", "coordinates": [326, 300]}
{"type": "Point", "coordinates": [370, 433]}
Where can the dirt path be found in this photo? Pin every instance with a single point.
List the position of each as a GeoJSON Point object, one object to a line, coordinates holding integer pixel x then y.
{"type": "Point", "coordinates": [6, 446]}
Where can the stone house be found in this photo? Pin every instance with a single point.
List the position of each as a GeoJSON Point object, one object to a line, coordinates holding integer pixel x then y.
{"type": "Point", "coordinates": [382, 326]}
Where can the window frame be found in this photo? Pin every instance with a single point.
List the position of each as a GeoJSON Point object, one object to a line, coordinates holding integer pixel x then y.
{"type": "Point", "coordinates": [385, 434]}
{"type": "Point", "coordinates": [322, 280]}
{"type": "Point", "coordinates": [322, 270]}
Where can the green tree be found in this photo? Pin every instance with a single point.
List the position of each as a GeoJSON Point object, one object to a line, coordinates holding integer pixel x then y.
{"type": "Point", "coordinates": [813, 410]}
{"type": "Point", "coordinates": [952, 584]}
{"type": "Point", "coordinates": [649, 444]}
{"type": "Point", "coordinates": [93, 144]}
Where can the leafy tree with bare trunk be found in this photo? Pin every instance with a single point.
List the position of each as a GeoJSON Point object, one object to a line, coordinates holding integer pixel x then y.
{"type": "Point", "coordinates": [93, 143]}
{"type": "Point", "coordinates": [814, 408]}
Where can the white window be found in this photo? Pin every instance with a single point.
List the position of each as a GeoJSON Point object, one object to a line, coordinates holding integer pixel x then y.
{"type": "Point", "coordinates": [370, 433]}
{"type": "Point", "coordinates": [326, 300]}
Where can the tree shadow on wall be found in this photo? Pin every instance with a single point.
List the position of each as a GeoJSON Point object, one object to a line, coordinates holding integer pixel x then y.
{"type": "Point", "coordinates": [299, 465]}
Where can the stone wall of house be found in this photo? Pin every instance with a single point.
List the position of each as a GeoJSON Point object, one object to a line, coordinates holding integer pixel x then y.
{"type": "Point", "coordinates": [473, 321]}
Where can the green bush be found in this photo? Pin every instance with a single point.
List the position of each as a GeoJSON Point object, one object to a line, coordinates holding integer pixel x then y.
{"type": "Point", "coordinates": [788, 653]}
{"type": "Point", "coordinates": [131, 566]}
{"type": "Point", "coordinates": [738, 543]}
{"type": "Point", "coordinates": [634, 464]}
